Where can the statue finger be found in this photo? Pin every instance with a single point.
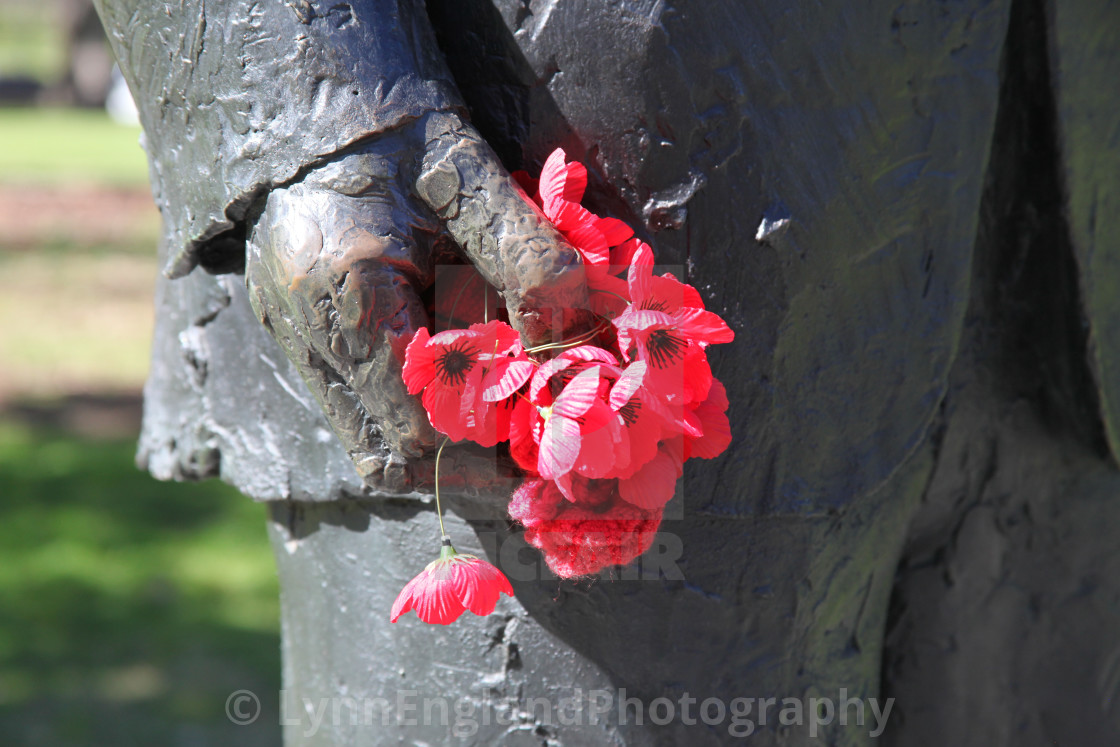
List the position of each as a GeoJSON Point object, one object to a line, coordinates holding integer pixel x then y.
{"type": "Point", "coordinates": [510, 242]}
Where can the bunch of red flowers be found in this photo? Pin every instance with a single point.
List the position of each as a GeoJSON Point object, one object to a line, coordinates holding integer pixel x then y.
{"type": "Point", "coordinates": [603, 423]}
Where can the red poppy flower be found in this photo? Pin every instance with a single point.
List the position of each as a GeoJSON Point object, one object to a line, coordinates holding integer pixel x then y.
{"type": "Point", "coordinates": [606, 244]}
{"type": "Point", "coordinates": [577, 409]}
{"type": "Point", "coordinates": [667, 326]}
{"type": "Point", "coordinates": [448, 586]}
{"type": "Point", "coordinates": [567, 418]}
{"type": "Point", "coordinates": [558, 194]}
{"type": "Point", "coordinates": [561, 369]}
{"type": "Point", "coordinates": [657, 292]}
{"type": "Point", "coordinates": [627, 431]}
{"type": "Point", "coordinates": [526, 421]}
{"type": "Point", "coordinates": [462, 373]}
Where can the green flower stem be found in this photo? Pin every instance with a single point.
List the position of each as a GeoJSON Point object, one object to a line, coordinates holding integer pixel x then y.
{"type": "Point", "coordinates": [439, 508]}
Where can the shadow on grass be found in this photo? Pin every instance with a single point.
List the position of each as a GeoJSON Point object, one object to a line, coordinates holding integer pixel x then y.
{"type": "Point", "coordinates": [129, 609]}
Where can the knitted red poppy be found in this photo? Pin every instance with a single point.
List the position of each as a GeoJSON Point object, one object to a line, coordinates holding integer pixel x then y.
{"type": "Point", "coordinates": [581, 537]}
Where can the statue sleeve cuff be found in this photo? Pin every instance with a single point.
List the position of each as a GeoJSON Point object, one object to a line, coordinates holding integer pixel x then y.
{"type": "Point", "coordinates": [239, 97]}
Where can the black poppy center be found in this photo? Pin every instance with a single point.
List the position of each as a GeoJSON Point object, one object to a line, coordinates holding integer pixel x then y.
{"type": "Point", "coordinates": [456, 361]}
{"type": "Point", "coordinates": [630, 411]}
{"type": "Point", "coordinates": [664, 348]}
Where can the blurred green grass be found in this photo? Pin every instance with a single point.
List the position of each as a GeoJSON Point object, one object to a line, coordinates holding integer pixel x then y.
{"type": "Point", "coordinates": [129, 608]}
{"type": "Point", "coordinates": [56, 146]}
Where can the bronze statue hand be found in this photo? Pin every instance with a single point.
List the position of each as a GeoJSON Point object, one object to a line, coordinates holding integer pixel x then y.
{"type": "Point", "coordinates": [336, 263]}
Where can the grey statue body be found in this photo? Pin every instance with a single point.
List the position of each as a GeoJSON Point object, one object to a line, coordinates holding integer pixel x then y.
{"type": "Point", "coordinates": [850, 187]}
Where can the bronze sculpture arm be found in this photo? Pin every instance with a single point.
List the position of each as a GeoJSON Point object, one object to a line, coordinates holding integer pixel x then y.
{"type": "Point", "coordinates": [323, 148]}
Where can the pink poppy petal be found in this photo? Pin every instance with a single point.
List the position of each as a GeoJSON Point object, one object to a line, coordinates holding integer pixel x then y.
{"type": "Point", "coordinates": [478, 584]}
{"type": "Point", "coordinates": [547, 370]}
{"type": "Point", "coordinates": [712, 417]}
{"type": "Point", "coordinates": [506, 377]}
{"type": "Point", "coordinates": [696, 374]}
{"type": "Point", "coordinates": [436, 602]}
{"type": "Point", "coordinates": [406, 600]}
{"type": "Point", "coordinates": [578, 395]}
{"type": "Point", "coordinates": [596, 417]}
{"type": "Point", "coordinates": [561, 182]}
{"type": "Point", "coordinates": [565, 487]}
{"type": "Point", "coordinates": [691, 424]}
{"type": "Point", "coordinates": [640, 319]}
{"type": "Point", "coordinates": [683, 293]}
{"type": "Point", "coordinates": [578, 224]}
{"type": "Point", "coordinates": [641, 271]}
{"type": "Point", "coordinates": [716, 438]}
{"type": "Point", "coordinates": [442, 405]}
{"type": "Point", "coordinates": [559, 448]}
{"type": "Point", "coordinates": [717, 396]}
{"type": "Point", "coordinates": [471, 406]}
{"type": "Point", "coordinates": [654, 484]}
{"type": "Point", "coordinates": [670, 415]}
{"type": "Point", "coordinates": [575, 181]}
{"type": "Point", "coordinates": [627, 385]}
{"type": "Point", "coordinates": [450, 336]}
{"type": "Point", "coordinates": [600, 449]}
{"type": "Point", "coordinates": [589, 353]}
{"type": "Point", "coordinates": [623, 255]}
{"type": "Point", "coordinates": [483, 427]}
{"type": "Point", "coordinates": [497, 338]}
{"type": "Point", "coordinates": [642, 435]}
{"type": "Point", "coordinates": [552, 173]}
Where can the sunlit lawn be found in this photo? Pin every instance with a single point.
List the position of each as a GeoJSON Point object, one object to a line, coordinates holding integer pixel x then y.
{"type": "Point", "coordinates": [129, 608]}
{"type": "Point", "coordinates": [69, 146]}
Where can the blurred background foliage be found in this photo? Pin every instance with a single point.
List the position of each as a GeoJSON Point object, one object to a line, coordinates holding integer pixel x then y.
{"type": "Point", "coordinates": [32, 40]}
{"type": "Point", "coordinates": [129, 609]}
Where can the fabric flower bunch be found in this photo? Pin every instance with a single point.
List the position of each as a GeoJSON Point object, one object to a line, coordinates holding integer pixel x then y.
{"type": "Point", "coordinates": [602, 423]}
